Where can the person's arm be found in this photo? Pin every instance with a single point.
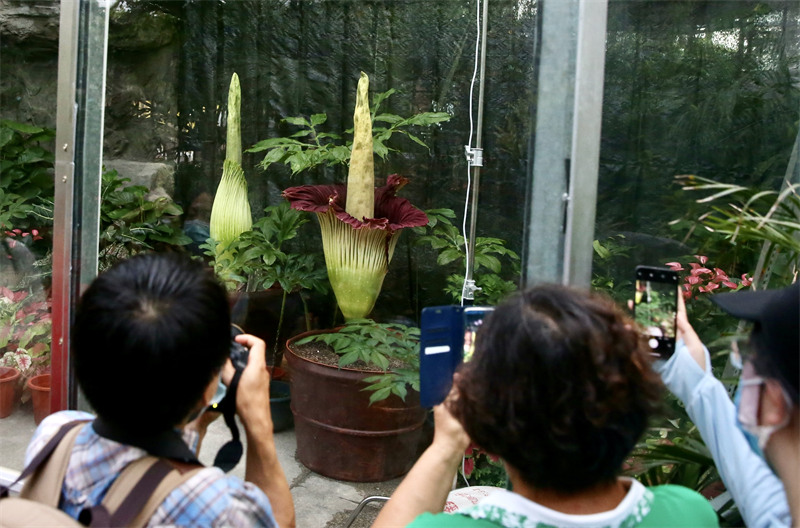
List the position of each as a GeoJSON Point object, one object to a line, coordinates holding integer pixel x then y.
{"type": "Point", "coordinates": [426, 486]}
{"type": "Point", "coordinates": [756, 490]}
{"type": "Point", "coordinates": [252, 405]}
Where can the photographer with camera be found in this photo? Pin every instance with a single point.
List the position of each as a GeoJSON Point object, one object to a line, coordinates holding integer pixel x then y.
{"type": "Point", "coordinates": [151, 340]}
{"type": "Point", "coordinates": [560, 388]}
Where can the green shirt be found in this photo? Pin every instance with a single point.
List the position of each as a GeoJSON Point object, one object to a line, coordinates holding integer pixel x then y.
{"type": "Point", "coordinates": [660, 506]}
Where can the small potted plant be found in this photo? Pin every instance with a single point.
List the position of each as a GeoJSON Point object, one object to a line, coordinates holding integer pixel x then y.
{"type": "Point", "coordinates": [25, 325]}
{"type": "Point", "coordinates": [363, 437]}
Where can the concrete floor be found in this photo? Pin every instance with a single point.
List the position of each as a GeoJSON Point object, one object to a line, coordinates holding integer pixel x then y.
{"type": "Point", "coordinates": [319, 502]}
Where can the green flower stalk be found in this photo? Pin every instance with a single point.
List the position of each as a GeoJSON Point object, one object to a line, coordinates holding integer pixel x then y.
{"type": "Point", "coordinates": [230, 214]}
{"type": "Point", "coordinates": [361, 176]}
{"type": "Point", "coordinates": [360, 224]}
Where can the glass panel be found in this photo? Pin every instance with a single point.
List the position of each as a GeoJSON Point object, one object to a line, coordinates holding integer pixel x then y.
{"type": "Point", "coordinates": [170, 65]}
{"type": "Point", "coordinates": [694, 91]}
{"type": "Point", "coordinates": [701, 113]}
{"type": "Point", "coordinates": [29, 62]}
{"type": "Point", "coordinates": [167, 131]}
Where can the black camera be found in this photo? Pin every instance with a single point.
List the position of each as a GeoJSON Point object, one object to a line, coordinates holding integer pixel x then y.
{"type": "Point", "coordinates": [238, 352]}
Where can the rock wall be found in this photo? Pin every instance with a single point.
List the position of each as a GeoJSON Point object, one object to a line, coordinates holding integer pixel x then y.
{"type": "Point", "coordinates": [141, 95]}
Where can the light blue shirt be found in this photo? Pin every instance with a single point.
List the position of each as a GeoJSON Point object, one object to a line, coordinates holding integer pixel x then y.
{"type": "Point", "coordinates": [757, 491]}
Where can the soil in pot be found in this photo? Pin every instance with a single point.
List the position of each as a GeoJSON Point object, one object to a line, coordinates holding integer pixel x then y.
{"type": "Point", "coordinates": [339, 434]}
{"type": "Point", "coordinates": [40, 395]}
{"type": "Point", "coordinates": [9, 380]}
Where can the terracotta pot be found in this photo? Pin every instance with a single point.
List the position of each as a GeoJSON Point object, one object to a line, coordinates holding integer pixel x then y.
{"type": "Point", "coordinates": [9, 380]}
{"type": "Point", "coordinates": [40, 395]}
{"type": "Point", "coordinates": [339, 435]}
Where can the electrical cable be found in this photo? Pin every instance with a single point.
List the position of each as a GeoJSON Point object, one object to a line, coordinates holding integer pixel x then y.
{"type": "Point", "coordinates": [469, 184]}
{"type": "Point", "coordinates": [469, 145]}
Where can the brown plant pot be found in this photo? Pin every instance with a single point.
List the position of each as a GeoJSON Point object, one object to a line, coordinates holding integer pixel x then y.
{"type": "Point", "coordinates": [40, 395]}
{"type": "Point", "coordinates": [339, 435]}
{"type": "Point", "coordinates": [9, 380]}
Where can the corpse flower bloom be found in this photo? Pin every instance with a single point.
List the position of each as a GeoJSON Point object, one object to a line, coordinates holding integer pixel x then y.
{"type": "Point", "coordinates": [360, 224]}
{"type": "Point", "coordinates": [357, 252]}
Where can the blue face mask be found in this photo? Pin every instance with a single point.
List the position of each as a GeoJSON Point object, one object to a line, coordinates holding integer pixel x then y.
{"type": "Point", "coordinates": [751, 438]}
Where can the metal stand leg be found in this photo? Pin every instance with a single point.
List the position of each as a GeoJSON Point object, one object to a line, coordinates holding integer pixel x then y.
{"type": "Point", "coordinates": [360, 507]}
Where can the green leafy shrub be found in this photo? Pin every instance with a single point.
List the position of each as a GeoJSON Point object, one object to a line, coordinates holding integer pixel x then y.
{"type": "Point", "coordinates": [495, 281]}
{"type": "Point", "coordinates": [131, 222]}
{"type": "Point", "coordinates": [26, 175]}
{"type": "Point", "coordinates": [392, 348]}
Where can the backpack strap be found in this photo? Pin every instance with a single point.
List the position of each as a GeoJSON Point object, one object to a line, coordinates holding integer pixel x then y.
{"type": "Point", "coordinates": [137, 493]}
{"type": "Point", "coordinates": [44, 476]}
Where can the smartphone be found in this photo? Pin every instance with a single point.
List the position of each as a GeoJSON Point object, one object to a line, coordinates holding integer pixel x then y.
{"type": "Point", "coordinates": [655, 307]}
{"type": "Point", "coordinates": [447, 338]}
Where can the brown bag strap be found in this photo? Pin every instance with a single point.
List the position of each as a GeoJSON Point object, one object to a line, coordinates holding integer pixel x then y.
{"type": "Point", "coordinates": [137, 493]}
{"type": "Point", "coordinates": [45, 474]}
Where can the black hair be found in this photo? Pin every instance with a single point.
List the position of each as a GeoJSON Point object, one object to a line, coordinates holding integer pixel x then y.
{"type": "Point", "coordinates": [149, 335]}
{"type": "Point", "coordinates": [559, 386]}
{"type": "Point", "coordinates": [782, 364]}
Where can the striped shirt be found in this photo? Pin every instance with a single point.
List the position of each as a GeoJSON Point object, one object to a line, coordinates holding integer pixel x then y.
{"type": "Point", "coordinates": [209, 498]}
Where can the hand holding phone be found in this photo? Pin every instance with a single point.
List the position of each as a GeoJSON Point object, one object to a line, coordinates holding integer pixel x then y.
{"type": "Point", "coordinates": [447, 337]}
{"type": "Point", "coordinates": [655, 307]}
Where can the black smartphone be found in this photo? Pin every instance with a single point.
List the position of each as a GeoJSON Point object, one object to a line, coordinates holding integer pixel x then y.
{"type": "Point", "coordinates": [655, 307]}
{"type": "Point", "coordinates": [447, 337]}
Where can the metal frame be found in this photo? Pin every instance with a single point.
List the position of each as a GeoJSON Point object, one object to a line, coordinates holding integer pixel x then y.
{"type": "Point", "coordinates": [83, 40]}
{"type": "Point", "coordinates": [588, 115]}
{"type": "Point", "coordinates": [563, 190]}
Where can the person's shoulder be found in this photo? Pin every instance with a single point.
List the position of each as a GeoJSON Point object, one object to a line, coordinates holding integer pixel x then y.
{"type": "Point", "coordinates": [212, 498]}
{"type": "Point", "coordinates": [48, 428]}
{"type": "Point", "coordinates": [679, 506]}
{"type": "Point", "coordinates": [449, 520]}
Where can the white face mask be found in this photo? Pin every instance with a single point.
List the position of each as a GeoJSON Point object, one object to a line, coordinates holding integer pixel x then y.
{"type": "Point", "coordinates": [748, 402]}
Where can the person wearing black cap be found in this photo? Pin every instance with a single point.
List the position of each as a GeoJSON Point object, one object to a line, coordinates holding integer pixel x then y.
{"type": "Point", "coordinates": [762, 428]}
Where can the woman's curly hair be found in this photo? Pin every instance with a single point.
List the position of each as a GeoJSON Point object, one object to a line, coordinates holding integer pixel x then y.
{"type": "Point", "coordinates": [560, 387]}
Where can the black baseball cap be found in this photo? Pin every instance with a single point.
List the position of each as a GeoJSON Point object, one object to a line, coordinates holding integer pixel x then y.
{"type": "Point", "coordinates": [776, 314]}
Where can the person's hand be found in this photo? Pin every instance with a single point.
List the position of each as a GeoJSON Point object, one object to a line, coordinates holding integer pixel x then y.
{"type": "Point", "coordinates": [252, 395]}
{"type": "Point", "coordinates": [449, 436]}
{"type": "Point", "coordinates": [689, 336]}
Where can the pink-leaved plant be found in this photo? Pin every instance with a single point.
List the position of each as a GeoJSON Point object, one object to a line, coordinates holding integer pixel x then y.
{"type": "Point", "coordinates": [702, 278]}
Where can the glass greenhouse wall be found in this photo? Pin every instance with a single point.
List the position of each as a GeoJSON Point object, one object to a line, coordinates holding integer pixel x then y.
{"type": "Point", "coordinates": [690, 91]}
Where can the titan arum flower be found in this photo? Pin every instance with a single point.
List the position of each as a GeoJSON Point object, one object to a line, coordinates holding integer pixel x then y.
{"type": "Point", "coordinates": [230, 214]}
{"type": "Point", "coordinates": [360, 224]}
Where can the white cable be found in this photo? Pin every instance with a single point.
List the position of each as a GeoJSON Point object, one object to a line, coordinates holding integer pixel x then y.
{"type": "Point", "coordinates": [469, 145]}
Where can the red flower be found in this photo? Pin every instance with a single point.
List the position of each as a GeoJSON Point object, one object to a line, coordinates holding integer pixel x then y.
{"type": "Point", "coordinates": [708, 288]}
{"type": "Point", "coordinates": [675, 266]}
{"type": "Point", "coordinates": [702, 258]}
{"type": "Point", "coordinates": [719, 275]}
{"type": "Point", "coordinates": [746, 281]}
{"type": "Point", "coordinates": [391, 213]}
{"type": "Point", "coordinates": [469, 466]}
{"type": "Point", "coordinates": [701, 271]}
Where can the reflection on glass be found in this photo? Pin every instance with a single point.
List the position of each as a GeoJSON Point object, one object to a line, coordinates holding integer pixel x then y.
{"type": "Point", "coordinates": [28, 61]}
{"type": "Point", "coordinates": [170, 64]}
{"type": "Point", "coordinates": [703, 88]}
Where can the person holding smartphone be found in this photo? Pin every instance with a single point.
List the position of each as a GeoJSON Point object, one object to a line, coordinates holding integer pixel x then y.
{"type": "Point", "coordinates": [764, 424]}
{"type": "Point", "coordinates": [561, 388]}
